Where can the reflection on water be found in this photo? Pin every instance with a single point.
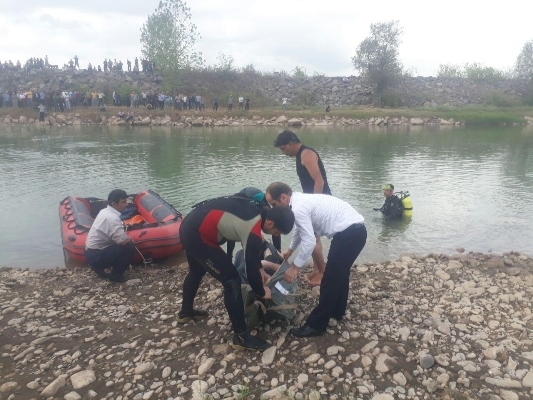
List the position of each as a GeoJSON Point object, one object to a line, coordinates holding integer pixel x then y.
{"type": "Point", "coordinates": [470, 187]}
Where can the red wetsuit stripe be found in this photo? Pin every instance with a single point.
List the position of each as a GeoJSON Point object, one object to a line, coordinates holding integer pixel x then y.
{"type": "Point", "coordinates": [256, 230]}
{"type": "Point", "coordinates": [209, 228]}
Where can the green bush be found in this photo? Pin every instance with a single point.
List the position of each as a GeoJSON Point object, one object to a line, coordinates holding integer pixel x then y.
{"type": "Point", "coordinates": [391, 99]}
{"type": "Point", "coordinates": [500, 99]}
{"type": "Point", "coordinates": [528, 95]}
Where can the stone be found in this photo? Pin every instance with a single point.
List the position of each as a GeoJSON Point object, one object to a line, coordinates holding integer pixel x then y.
{"type": "Point", "coordinates": [508, 395]}
{"type": "Point", "coordinates": [268, 355]}
{"type": "Point", "coordinates": [384, 363]}
{"type": "Point", "coordinates": [383, 396]}
{"type": "Point", "coordinates": [302, 379]}
{"type": "Point", "coordinates": [144, 367]}
{"type": "Point", "coordinates": [416, 121]}
{"type": "Point", "coordinates": [53, 387]}
{"type": "Point", "coordinates": [82, 379]}
{"type": "Point", "coordinates": [503, 383]}
{"type": "Point", "coordinates": [166, 372]}
{"type": "Point", "coordinates": [528, 380]}
{"type": "Point", "coordinates": [427, 361]}
{"type": "Point", "coordinates": [275, 393]}
{"type": "Point", "coordinates": [400, 379]}
{"type": "Point", "coordinates": [206, 366]}
{"type": "Point", "coordinates": [8, 387]}
{"type": "Point", "coordinates": [72, 396]}
{"type": "Point", "coordinates": [369, 346]}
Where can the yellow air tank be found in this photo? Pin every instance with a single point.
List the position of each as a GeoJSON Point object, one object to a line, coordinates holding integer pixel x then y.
{"type": "Point", "coordinates": [407, 205]}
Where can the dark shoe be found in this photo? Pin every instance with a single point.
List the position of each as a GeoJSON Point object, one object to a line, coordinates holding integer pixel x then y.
{"type": "Point", "coordinates": [339, 318]}
{"type": "Point", "coordinates": [120, 278]}
{"type": "Point", "coordinates": [245, 341]}
{"type": "Point", "coordinates": [306, 331]}
{"type": "Point", "coordinates": [184, 317]}
{"type": "Point", "coordinates": [101, 273]}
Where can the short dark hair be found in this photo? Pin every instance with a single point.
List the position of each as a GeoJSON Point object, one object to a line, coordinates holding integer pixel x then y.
{"type": "Point", "coordinates": [276, 189]}
{"type": "Point", "coordinates": [283, 218]}
{"type": "Point", "coordinates": [286, 137]}
{"type": "Point", "coordinates": [116, 195]}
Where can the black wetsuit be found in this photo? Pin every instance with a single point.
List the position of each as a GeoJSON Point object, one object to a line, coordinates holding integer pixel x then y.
{"type": "Point", "coordinates": [202, 232]}
{"type": "Point", "coordinates": [308, 183]}
{"type": "Point", "coordinates": [393, 207]}
{"type": "Point", "coordinates": [249, 193]}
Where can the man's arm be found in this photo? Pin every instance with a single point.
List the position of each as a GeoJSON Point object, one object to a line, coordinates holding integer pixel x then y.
{"type": "Point", "coordinates": [310, 162]}
{"type": "Point", "coordinates": [253, 248]}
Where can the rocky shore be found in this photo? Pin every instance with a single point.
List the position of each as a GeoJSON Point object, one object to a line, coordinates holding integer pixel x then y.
{"type": "Point", "coordinates": [195, 120]}
{"type": "Point", "coordinates": [421, 327]}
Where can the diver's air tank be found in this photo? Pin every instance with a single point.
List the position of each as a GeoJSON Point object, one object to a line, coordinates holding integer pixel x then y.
{"type": "Point", "coordinates": [407, 205]}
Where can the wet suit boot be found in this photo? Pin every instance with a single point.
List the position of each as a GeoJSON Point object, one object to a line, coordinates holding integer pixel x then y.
{"type": "Point", "coordinates": [245, 341]}
{"type": "Point", "coordinates": [186, 316]}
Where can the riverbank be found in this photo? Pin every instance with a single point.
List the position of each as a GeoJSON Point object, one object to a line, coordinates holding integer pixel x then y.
{"type": "Point", "coordinates": [440, 116]}
{"type": "Point", "coordinates": [432, 327]}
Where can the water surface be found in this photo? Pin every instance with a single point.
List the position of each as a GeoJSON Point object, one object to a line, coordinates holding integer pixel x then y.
{"type": "Point", "coordinates": [470, 186]}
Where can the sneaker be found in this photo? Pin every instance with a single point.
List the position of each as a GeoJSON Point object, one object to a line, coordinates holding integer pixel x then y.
{"type": "Point", "coordinates": [245, 341]}
{"type": "Point", "coordinates": [119, 279]}
{"type": "Point", "coordinates": [184, 317]}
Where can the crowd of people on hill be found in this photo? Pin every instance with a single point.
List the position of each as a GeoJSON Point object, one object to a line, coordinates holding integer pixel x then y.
{"type": "Point", "coordinates": [74, 64]}
{"type": "Point", "coordinates": [60, 101]}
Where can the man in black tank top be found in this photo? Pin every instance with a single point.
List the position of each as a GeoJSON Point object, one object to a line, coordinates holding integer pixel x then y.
{"type": "Point", "coordinates": [312, 174]}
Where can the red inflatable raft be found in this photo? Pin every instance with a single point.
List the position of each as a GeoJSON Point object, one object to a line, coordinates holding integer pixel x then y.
{"type": "Point", "coordinates": [155, 226]}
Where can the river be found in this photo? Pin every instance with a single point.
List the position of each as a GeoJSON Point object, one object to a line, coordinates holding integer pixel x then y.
{"type": "Point", "coordinates": [470, 187]}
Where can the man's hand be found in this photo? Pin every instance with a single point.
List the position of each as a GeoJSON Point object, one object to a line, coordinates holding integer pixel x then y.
{"type": "Point", "coordinates": [264, 276]}
{"type": "Point", "coordinates": [286, 254]}
{"type": "Point", "coordinates": [126, 241]}
{"type": "Point", "coordinates": [291, 273]}
{"type": "Point", "coordinates": [268, 293]}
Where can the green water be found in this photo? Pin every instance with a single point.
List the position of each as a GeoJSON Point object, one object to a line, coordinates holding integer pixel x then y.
{"type": "Point", "coordinates": [470, 186]}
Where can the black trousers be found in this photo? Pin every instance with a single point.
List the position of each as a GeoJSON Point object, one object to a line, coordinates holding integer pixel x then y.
{"type": "Point", "coordinates": [117, 257]}
{"type": "Point", "coordinates": [41, 116]}
{"type": "Point", "coordinates": [203, 258]}
{"type": "Point", "coordinates": [344, 249]}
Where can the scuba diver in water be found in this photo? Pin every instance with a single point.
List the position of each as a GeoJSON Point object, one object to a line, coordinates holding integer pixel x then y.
{"type": "Point", "coordinates": [393, 208]}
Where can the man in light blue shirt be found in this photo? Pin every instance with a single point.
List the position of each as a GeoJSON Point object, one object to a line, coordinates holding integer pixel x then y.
{"type": "Point", "coordinates": [327, 216]}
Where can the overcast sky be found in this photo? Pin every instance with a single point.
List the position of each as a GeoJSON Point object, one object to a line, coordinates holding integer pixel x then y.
{"type": "Point", "coordinates": [320, 36]}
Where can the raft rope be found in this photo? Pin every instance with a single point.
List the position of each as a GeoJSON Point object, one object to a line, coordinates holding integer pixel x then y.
{"type": "Point", "coordinates": [146, 261]}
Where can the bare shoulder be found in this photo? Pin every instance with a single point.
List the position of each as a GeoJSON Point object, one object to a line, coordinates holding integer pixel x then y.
{"type": "Point", "coordinates": [309, 155]}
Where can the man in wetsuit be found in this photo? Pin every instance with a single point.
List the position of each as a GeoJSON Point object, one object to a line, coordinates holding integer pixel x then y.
{"type": "Point", "coordinates": [203, 230]}
{"type": "Point", "coordinates": [312, 174]}
{"type": "Point", "coordinates": [255, 194]}
{"type": "Point", "coordinates": [393, 207]}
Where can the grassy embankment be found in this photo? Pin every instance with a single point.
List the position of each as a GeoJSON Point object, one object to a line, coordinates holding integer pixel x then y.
{"type": "Point", "coordinates": [470, 115]}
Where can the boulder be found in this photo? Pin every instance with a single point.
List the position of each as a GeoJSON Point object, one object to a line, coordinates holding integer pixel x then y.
{"type": "Point", "coordinates": [416, 121]}
{"type": "Point", "coordinates": [294, 122]}
{"type": "Point", "coordinates": [281, 120]}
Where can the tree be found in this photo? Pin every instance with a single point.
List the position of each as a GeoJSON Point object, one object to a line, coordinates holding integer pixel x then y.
{"type": "Point", "coordinates": [226, 62]}
{"type": "Point", "coordinates": [168, 37]}
{"type": "Point", "coordinates": [376, 57]}
{"type": "Point", "coordinates": [524, 61]}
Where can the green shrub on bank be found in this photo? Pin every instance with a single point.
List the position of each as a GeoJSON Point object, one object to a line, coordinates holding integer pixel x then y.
{"type": "Point", "coordinates": [390, 98]}
{"type": "Point", "coordinates": [500, 99]}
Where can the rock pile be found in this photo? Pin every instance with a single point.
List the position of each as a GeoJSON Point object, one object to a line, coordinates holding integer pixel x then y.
{"type": "Point", "coordinates": [67, 119]}
{"type": "Point", "coordinates": [271, 88]}
{"type": "Point", "coordinates": [432, 327]}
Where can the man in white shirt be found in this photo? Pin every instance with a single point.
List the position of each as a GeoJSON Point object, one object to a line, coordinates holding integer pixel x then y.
{"type": "Point", "coordinates": [241, 102]}
{"type": "Point", "coordinates": [327, 216]}
{"type": "Point", "coordinates": [108, 245]}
